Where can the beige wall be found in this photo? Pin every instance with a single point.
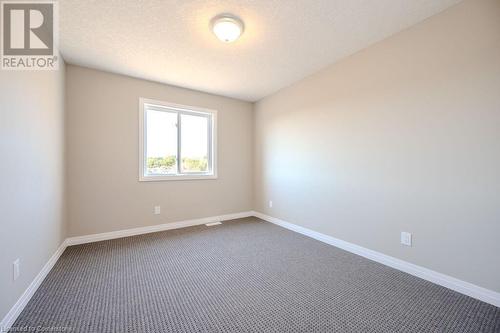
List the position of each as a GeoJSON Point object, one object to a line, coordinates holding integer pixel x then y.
{"type": "Point", "coordinates": [403, 136]}
{"type": "Point", "coordinates": [32, 170]}
{"type": "Point", "coordinates": [104, 193]}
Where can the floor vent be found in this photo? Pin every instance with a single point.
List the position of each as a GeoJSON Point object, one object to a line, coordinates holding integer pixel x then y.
{"type": "Point", "coordinates": [213, 223]}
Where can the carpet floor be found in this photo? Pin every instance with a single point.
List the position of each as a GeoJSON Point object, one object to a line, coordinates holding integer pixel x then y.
{"type": "Point", "coordinates": [243, 276]}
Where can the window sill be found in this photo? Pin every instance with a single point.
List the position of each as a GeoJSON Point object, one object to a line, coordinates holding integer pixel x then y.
{"type": "Point", "coordinates": [175, 177]}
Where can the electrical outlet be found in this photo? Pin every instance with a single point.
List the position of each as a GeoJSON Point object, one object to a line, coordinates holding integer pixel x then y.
{"type": "Point", "coordinates": [406, 238]}
{"type": "Point", "coordinates": [16, 269]}
{"type": "Point", "coordinates": [270, 204]}
{"type": "Point", "coordinates": [157, 210]}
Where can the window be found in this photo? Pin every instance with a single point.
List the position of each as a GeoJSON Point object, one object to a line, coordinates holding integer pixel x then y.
{"type": "Point", "coordinates": [176, 141]}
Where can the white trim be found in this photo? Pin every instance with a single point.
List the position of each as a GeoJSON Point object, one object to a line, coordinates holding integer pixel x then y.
{"type": "Point", "coordinates": [176, 177]}
{"type": "Point", "coordinates": [463, 287]}
{"type": "Point", "coordinates": [14, 312]}
{"type": "Point", "coordinates": [180, 107]}
{"type": "Point", "coordinates": [460, 286]}
{"type": "Point", "coordinates": [184, 109]}
{"type": "Point", "coordinates": [153, 228]}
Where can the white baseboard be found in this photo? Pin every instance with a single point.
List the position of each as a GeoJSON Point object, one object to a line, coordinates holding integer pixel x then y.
{"type": "Point", "coordinates": [14, 312]}
{"type": "Point", "coordinates": [460, 286]}
{"type": "Point", "coordinates": [463, 287]}
{"type": "Point", "coordinates": [153, 228]}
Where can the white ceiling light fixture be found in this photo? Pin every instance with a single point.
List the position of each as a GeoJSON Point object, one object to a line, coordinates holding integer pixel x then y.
{"type": "Point", "coordinates": [227, 28]}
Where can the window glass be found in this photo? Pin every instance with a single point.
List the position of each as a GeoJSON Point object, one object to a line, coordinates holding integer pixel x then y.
{"type": "Point", "coordinates": [161, 142]}
{"type": "Point", "coordinates": [177, 142]}
{"type": "Point", "coordinates": [194, 143]}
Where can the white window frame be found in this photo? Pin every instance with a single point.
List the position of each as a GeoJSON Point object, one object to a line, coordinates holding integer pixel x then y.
{"type": "Point", "coordinates": [179, 109]}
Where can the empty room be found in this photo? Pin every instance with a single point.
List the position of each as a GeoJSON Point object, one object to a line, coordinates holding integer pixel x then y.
{"type": "Point", "coordinates": [250, 166]}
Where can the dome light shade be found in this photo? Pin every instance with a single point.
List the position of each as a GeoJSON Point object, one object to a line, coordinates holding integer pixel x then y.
{"type": "Point", "coordinates": [227, 28]}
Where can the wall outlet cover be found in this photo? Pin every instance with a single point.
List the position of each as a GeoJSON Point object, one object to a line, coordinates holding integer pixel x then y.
{"type": "Point", "coordinates": [16, 269]}
{"type": "Point", "coordinates": [406, 238]}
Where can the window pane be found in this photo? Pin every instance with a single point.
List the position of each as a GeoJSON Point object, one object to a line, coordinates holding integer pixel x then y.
{"type": "Point", "coordinates": [161, 143]}
{"type": "Point", "coordinates": [194, 143]}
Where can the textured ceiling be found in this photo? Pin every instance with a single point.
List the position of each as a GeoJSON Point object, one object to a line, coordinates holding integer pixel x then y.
{"type": "Point", "coordinates": [284, 40]}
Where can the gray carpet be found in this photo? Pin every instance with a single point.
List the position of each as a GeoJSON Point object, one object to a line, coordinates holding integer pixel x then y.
{"type": "Point", "coordinates": [243, 276]}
